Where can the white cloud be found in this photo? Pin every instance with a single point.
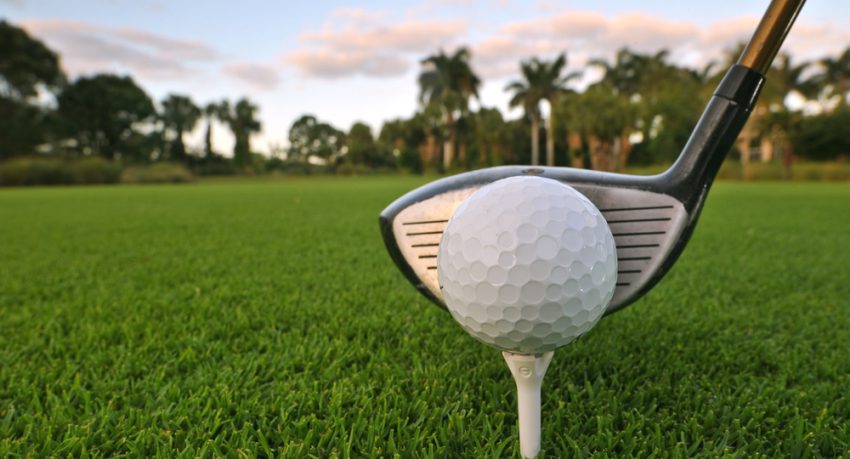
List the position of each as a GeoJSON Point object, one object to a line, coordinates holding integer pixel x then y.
{"type": "Point", "coordinates": [327, 63]}
{"type": "Point", "coordinates": [585, 35]}
{"type": "Point", "coordinates": [88, 48]}
{"type": "Point", "coordinates": [257, 76]}
{"type": "Point", "coordinates": [359, 42]}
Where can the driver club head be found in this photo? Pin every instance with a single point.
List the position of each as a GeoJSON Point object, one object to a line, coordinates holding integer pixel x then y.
{"type": "Point", "coordinates": [651, 217]}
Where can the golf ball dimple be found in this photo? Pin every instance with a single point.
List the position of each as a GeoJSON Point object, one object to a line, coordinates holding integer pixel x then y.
{"type": "Point", "coordinates": [527, 264]}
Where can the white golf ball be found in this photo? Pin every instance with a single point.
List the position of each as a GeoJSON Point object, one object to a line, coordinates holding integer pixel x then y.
{"type": "Point", "coordinates": [527, 264]}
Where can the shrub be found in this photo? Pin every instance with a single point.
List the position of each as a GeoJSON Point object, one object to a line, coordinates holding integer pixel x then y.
{"type": "Point", "coordinates": [94, 170]}
{"type": "Point", "coordinates": [34, 171]}
{"type": "Point", "coordinates": [157, 173]}
{"type": "Point", "coordinates": [823, 137]}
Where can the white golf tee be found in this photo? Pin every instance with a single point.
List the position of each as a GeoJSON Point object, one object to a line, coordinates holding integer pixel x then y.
{"type": "Point", "coordinates": [528, 371]}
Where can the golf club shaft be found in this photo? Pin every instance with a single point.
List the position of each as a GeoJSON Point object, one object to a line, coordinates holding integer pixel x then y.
{"type": "Point", "coordinates": [771, 32]}
{"type": "Point", "coordinates": [730, 107]}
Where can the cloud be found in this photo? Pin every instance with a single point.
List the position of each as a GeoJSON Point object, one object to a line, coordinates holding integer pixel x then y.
{"type": "Point", "coordinates": [258, 76]}
{"type": "Point", "coordinates": [90, 48]}
{"type": "Point", "coordinates": [585, 35]}
{"type": "Point", "coordinates": [362, 42]}
{"type": "Point", "coordinates": [359, 42]}
{"type": "Point", "coordinates": [333, 64]}
{"type": "Point", "coordinates": [410, 36]}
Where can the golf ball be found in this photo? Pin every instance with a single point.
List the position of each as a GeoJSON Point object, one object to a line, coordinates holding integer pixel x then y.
{"type": "Point", "coordinates": [527, 264]}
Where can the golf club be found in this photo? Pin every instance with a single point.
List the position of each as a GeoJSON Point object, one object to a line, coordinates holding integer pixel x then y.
{"type": "Point", "coordinates": [651, 217]}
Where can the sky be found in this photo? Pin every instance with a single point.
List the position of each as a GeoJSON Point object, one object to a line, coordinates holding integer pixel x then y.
{"type": "Point", "coordinates": [358, 61]}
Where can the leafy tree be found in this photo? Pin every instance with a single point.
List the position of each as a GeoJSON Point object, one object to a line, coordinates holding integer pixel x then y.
{"type": "Point", "coordinates": [26, 64]}
{"type": "Point", "coordinates": [103, 112]}
{"type": "Point", "coordinates": [361, 144]}
{"type": "Point", "coordinates": [490, 136]}
{"type": "Point", "coordinates": [363, 149]}
{"type": "Point", "coordinates": [242, 119]}
{"type": "Point", "coordinates": [774, 120]}
{"type": "Point", "coordinates": [310, 138]}
{"type": "Point", "coordinates": [181, 115]}
{"type": "Point", "coordinates": [664, 107]}
{"type": "Point", "coordinates": [568, 114]}
{"type": "Point", "coordinates": [835, 76]}
{"type": "Point", "coordinates": [404, 139]}
{"type": "Point", "coordinates": [448, 82]}
{"type": "Point", "coordinates": [602, 116]}
{"type": "Point", "coordinates": [823, 137]}
{"type": "Point", "coordinates": [26, 67]}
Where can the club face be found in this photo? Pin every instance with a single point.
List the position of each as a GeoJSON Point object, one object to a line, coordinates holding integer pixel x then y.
{"type": "Point", "coordinates": [648, 226]}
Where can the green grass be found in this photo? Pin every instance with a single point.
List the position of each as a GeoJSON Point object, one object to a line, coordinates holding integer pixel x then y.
{"type": "Point", "coordinates": [266, 319]}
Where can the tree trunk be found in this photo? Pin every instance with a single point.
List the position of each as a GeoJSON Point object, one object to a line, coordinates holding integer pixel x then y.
{"type": "Point", "coordinates": [535, 141]}
{"type": "Point", "coordinates": [787, 164]}
{"type": "Point", "coordinates": [208, 141]}
{"type": "Point", "coordinates": [766, 148]}
{"type": "Point", "coordinates": [179, 147]}
{"type": "Point", "coordinates": [744, 147]}
{"type": "Point", "coordinates": [449, 145]}
{"type": "Point", "coordinates": [550, 135]}
{"type": "Point", "coordinates": [625, 148]}
{"type": "Point", "coordinates": [430, 150]}
{"type": "Point", "coordinates": [462, 155]}
{"type": "Point", "coordinates": [574, 149]}
{"type": "Point", "coordinates": [601, 153]}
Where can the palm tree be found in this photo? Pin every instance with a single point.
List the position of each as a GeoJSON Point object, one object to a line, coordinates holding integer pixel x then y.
{"type": "Point", "coordinates": [528, 93]}
{"type": "Point", "coordinates": [180, 114]}
{"type": "Point", "coordinates": [243, 122]}
{"type": "Point", "coordinates": [448, 82]}
{"type": "Point", "coordinates": [553, 85]}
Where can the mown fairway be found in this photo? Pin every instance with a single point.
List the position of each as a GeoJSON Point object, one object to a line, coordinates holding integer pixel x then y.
{"type": "Point", "coordinates": [265, 319]}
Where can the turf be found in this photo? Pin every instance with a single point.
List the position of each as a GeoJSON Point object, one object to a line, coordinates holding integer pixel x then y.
{"type": "Point", "coordinates": [266, 319]}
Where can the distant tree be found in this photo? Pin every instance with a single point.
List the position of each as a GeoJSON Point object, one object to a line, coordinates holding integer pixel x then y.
{"type": "Point", "coordinates": [665, 102]}
{"type": "Point", "coordinates": [26, 67]}
{"type": "Point", "coordinates": [103, 111]}
{"type": "Point", "coordinates": [568, 115]}
{"type": "Point", "coordinates": [835, 76]}
{"type": "Point", "coordinates": [311, 138]}
{"type": "Point", "coordinates": [243, 122]}
{"type": "Point", "coordinates": [527, 93]}
{"type": "Point", "coordinates": [406, 140]}
{"type": "Point", "coordinates": [361, 143]}
{"type": "Point", "coordinates": [362, 148]}
{"type": "Point", "coordinates": [448, 82]}
{"type": "Point", "coordinates": [490, 136]}
{"type": "Point", "coordinates": [518, 137]}
{"type": "Point", "coordinates": [180, 115]}
{"type": "Point", "coordinates": [603, 114]}
{"type": "Point", "coordinates": [774, 120]}
{"type": "Point", "coordinates": [823, 137]}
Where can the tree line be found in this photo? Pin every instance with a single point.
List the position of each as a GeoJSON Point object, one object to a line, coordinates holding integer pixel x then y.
{"type": "Point", "coordinates": [639, 112]}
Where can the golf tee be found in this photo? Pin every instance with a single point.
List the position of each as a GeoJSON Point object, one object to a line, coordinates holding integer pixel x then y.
{"type": "Point", "coordinates": [528, 372]}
